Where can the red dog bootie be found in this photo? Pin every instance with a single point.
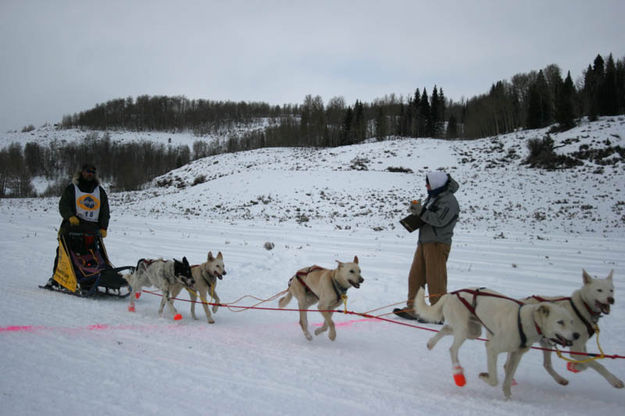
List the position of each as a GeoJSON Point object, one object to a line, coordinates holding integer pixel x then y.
{"type": "Point", "coordinates": [571, 367]}
{"type": "Point", "coordinates": [459, 376]}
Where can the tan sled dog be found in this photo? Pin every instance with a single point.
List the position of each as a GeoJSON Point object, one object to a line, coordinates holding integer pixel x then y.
{"type": "Point", "coordinates": [205, 276]}
{"type": "Point", "coordinates": [586, 305]}
{"type": "Point", "coordinates": [323, 286]}
{"type": "Point", "coordinates": [511, 327]}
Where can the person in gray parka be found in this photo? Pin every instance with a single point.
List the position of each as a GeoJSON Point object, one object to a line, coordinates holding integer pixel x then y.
{"type": "Point", "coordinates": [439, 214]}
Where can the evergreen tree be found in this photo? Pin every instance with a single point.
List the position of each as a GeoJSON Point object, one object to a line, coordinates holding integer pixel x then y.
{"type": "Point", "coordinates": [426, 115]}
{"type": "Point", "coordinates": [608, 89]}
{"type": "Point", "coordinates": [452, 127]}
{"type": "Point", "coordinates": [620, 85]}
{"type": "Point", "coordinates": [540, 106]}
{"type": "Point", "coordinates": [381, 124]}
{"type": "Point", "coordinates": [565, 104]}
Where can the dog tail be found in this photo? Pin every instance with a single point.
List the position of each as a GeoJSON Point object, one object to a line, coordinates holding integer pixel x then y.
{"type": "Point", "coordinates": [285, 300]}
{"type": "Point", "coordinates": [431, 313]}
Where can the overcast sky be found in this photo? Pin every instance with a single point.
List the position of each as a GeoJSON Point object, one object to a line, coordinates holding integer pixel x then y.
{"type": "Point", "coordinates": [59, 57]}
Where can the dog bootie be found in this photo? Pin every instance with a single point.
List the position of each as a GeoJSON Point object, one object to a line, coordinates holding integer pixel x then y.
{"type": "Point", "coordinates": [459, 376]}
{"type": "Point", "coordinates": [571, 367]}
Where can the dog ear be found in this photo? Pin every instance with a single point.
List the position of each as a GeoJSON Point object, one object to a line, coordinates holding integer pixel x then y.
{"type": "Point", "coordinates": [356, 259]}
{"type": "Point", "coordinates": [210, 256]}
{"type": "Point", "coordinates": [219, 255]}
{"type": "Point", "coordinates": [185, 261]}
{"type": "Point", "coordinates": [339, 264]}
{"type": "Point", "coordinates": [544, 310]}
{"type": "Point", "coordinates": [587, 278]}
{"type": "Point", "coordinates": [610, 275]}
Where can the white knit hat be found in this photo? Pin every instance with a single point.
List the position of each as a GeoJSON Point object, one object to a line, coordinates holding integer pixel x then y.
{"type": "Point", "coordinates": [436, 179]}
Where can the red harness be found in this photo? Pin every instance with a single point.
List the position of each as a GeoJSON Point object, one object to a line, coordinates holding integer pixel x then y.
{"type": "Point", "coordinates": [594, 315]}
{"type": "Point", "coordinates": [300, 274]}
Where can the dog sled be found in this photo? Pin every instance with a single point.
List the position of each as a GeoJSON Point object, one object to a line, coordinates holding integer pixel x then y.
{"type": "Point", "coordinates": [83, 268]}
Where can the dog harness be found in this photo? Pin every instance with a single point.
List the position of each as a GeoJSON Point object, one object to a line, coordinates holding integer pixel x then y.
{"type": "Point", "coordinates": [299, 276]}
{"type": "Point", "coordinates": [471, 307]}
{"type": "Point", "coordinates": [595, 316]}
{"type": "Point", "coordinates": [340, 292]}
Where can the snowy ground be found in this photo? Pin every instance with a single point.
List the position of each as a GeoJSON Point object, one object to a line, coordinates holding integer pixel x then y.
{"type": "Point", "coordinates": [65, 355]}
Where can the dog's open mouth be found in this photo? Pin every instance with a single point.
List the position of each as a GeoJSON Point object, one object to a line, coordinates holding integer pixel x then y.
{"type": "Point", "coordinates": [559, 339]}
{"type": "Point", "coordinates": [603, 307]}
{"type": "Point", "coordinates": [220, 277]}
{"type": "Point", "coordinates": [355, 284]}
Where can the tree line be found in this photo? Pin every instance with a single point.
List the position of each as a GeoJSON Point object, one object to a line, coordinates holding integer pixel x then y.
{"type": "Point", "coordinates": [542, 98]}
{"type": "Point", "coordinates": [126, 166]}
{"type": "Point", "coordinates": [173, 114]}
{"type": "Point", "coordinates": [528, 100]}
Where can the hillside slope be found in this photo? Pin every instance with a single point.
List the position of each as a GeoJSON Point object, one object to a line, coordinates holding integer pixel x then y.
{"type": "Point", "coordinates": [369, 185]}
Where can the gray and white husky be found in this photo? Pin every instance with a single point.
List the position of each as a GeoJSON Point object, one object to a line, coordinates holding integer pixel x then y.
{"type": "Point", "coordinates": [163, 274]}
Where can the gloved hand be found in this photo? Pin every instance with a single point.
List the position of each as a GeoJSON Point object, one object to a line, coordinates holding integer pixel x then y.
{"type": "Point", "coordinates": [416, 208]}
{"type": "Point", "coordinates": [74, 221]}
{"type": "Point", "coordinates": [103, 232]}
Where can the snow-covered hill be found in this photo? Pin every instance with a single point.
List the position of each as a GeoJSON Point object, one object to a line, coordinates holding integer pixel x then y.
{"type": "Point", "coordinates": [522, 231]}
{"type": "Point", "coordinates": [369, 185]}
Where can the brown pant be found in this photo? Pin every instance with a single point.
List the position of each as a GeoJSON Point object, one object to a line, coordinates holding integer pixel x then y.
{"type": "Point", "coordinates": [429, 266]}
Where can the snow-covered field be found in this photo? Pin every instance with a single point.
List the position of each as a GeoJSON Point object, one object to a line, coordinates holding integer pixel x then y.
{"type": "Point", "coordinates": [521, 232]}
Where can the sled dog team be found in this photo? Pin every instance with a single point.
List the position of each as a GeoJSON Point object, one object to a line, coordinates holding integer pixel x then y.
{"type": "Point", "coordinates": [511, 325]}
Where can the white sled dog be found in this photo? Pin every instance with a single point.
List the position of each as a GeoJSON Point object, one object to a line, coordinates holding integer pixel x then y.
{"type": "Point", "coordinates": [511, 327]}
{"type": "Point", "coordinates": [586, 305]}
{"type": "Point", "coordinates": [163, 274]}
{"type": "Point", "coordinates": [323, 286]}
{"type": "Point", "coordinates": [205, 276]}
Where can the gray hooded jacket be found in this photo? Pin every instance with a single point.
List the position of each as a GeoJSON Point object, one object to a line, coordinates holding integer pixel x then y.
{"type": "Point", "coordinates": [440, 214]}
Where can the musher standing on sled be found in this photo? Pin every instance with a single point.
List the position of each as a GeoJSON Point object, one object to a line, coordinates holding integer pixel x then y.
{"type": "Point", "coordinates": [84, 207]}
{"type": "Point", "coordinates": [439, 214]}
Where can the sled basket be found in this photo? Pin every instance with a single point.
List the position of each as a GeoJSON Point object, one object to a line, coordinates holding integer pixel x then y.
{"type": "Point", "coordinates": [83, 267]}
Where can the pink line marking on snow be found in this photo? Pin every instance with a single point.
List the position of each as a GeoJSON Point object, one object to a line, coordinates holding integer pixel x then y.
{"type": "Point", "coordinates": [25, 328]}
{"type": "Point", "coordinates": [349, 323]}
{"type": "Point", "coordinates": [94, 327]}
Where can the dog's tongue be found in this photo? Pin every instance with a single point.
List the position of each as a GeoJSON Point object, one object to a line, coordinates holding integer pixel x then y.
{"type": "Point", "coordinates": [604, 308]}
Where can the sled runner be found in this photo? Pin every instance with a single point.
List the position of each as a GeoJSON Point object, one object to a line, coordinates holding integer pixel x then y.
{"type": "Point", "coordinates": [83, 268]}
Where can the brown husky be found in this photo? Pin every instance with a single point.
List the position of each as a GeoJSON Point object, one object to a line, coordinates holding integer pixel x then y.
{"type": "Point", "coordinates": [323, 286]}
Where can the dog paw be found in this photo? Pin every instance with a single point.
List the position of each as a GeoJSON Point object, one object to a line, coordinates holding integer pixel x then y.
{"type": "Point", "coordinates": [215, 308]}
{"type": "Point", "coordinates": [308, 337]}
{"type": "Point", "coordinates": [319, 330]}
{"type": "Point", "coordinates": [177, 317]}
{"type": "Point", "coordinates": [332, 336]}
{"type": "Point", "coordinates": [211, 321]}
{"type": "Point", "coordinates": [131, 308]}
{"type": "Point", "coordinates": [618, 384]}
{"type": "Point", "coordinates": [486, 378]}
{"type": "Point", "coordinates": [137, 295]}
